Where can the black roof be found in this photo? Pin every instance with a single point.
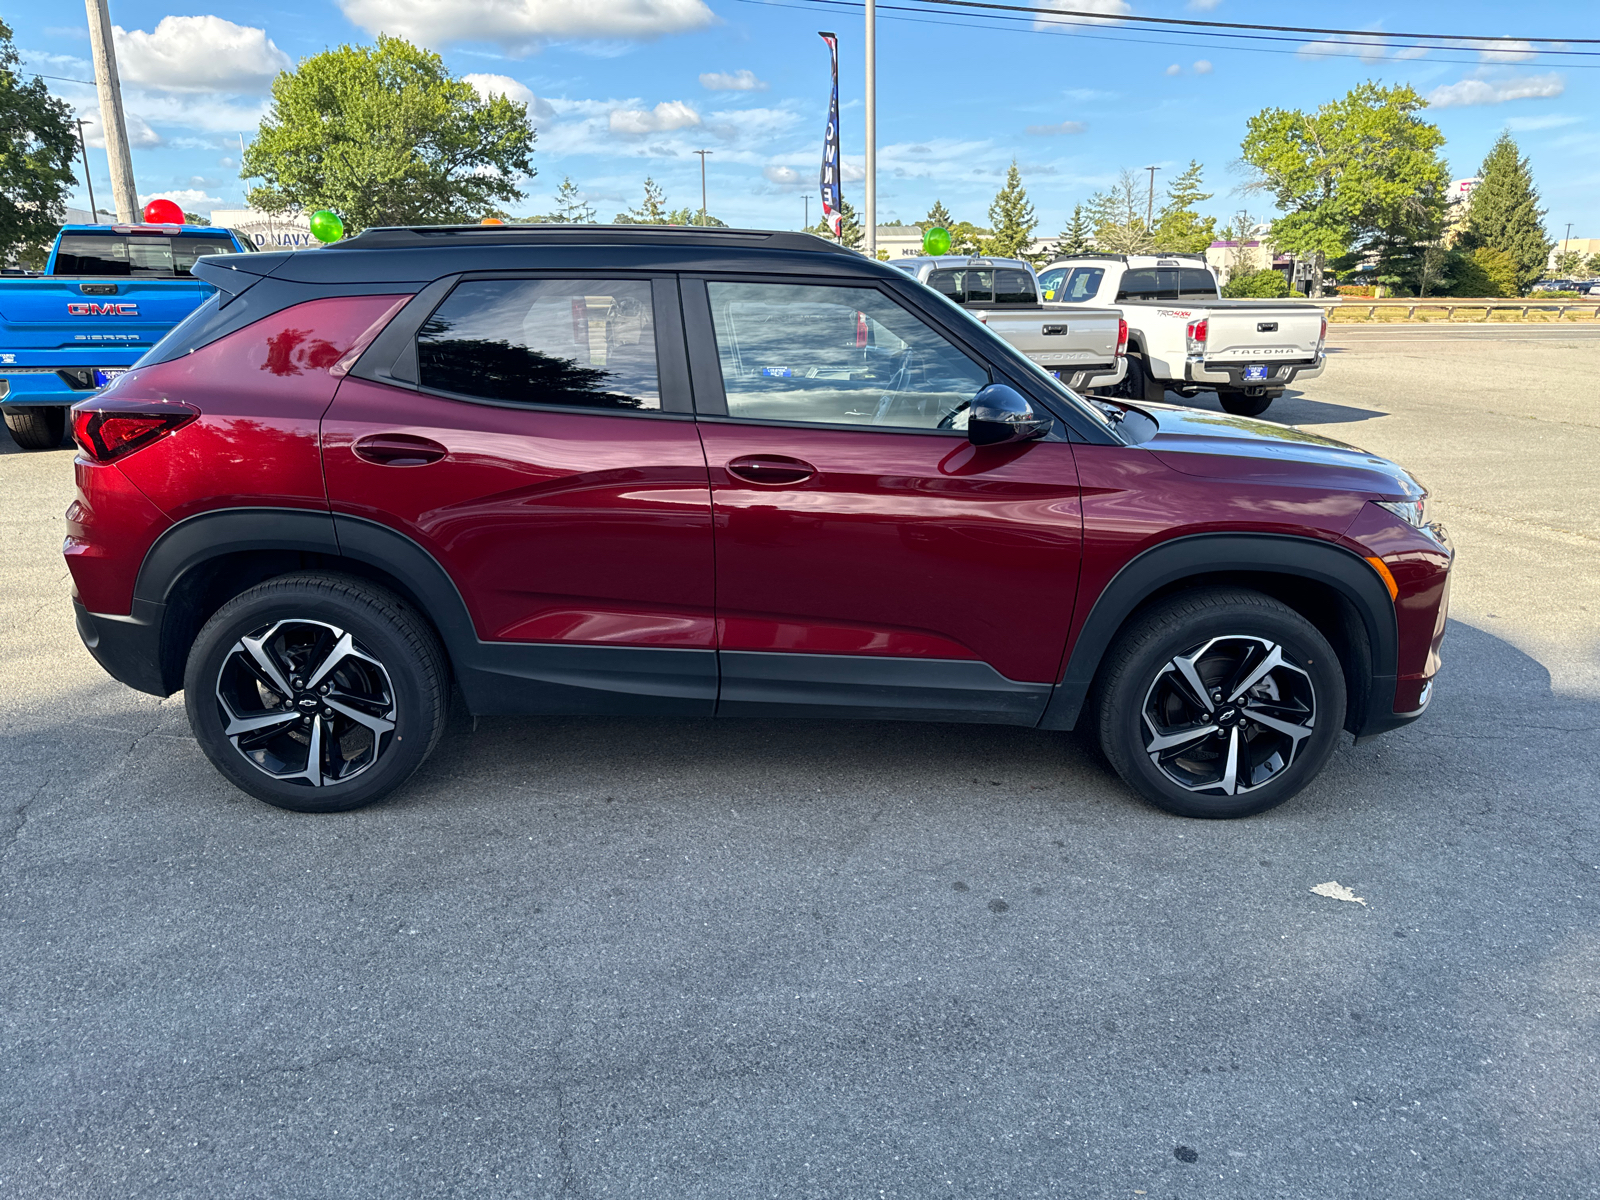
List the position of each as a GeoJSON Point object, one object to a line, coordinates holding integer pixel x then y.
{"type": "Point", "coordinates": [393, 237]}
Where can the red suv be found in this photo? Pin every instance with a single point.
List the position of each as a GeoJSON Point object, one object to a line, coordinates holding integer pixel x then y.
{"type": "Point", "coordinates": [575, 470]}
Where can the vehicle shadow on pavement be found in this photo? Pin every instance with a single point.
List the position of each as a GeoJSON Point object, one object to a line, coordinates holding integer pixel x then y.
{"type": "Point", "coordinates": [1292, 408]}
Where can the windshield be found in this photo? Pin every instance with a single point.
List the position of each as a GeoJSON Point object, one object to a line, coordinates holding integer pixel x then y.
{"type": "Point", "coordinates": [982, 334]}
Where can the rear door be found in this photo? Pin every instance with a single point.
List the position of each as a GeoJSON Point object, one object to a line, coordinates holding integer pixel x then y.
{"type": "Point", "coordinates": [535, 436]}
{"type": "Point", "coordinates": [869, 559]}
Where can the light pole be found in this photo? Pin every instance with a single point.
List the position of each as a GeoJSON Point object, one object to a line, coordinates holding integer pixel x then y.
{"type": "Point", "coordinates": [872, 130]}
{"type": "Point", "coordinates": [807, 225]}
{"type": "Point", "coordinates": [112, 122]}
{"type": "Point", "coordinates": [1150, 204]}
{"type": "Point", "coordinates": [94, 217]}
{"type": "Point", "coordinates": [702, 154]}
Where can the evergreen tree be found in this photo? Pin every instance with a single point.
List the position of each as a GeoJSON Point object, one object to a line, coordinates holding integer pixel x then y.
{"type": "Point", "coordinates": [1505, 213]}
{"type": "Point", "coordinates": [1118, 217]}
{"type": "Point", "coordinates": [653, 211]}
{"type": "Point", "coordinates": [1077, 237]}
{"type": "Point", "coordinates": [693, 216]}
{"type": "Point", "coordinates": [1591, 265]}
{"type": "Point", "coordinates": [1012, 218]}
{"type": "Point", "coordinates": [570, 206]}
{"type": "Point", "coordinates": [1178, 225]}
{"type": "Point", "coordinates": [938, 215]}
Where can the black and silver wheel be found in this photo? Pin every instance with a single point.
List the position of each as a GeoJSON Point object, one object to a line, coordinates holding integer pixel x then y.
{"type": "Point", "coordinates": [316, 693]}
{"type": "Point", "coordinates": [1220, 703]}
{"type": "Point", "coordinates": [1139, 384]}
{"type": "Point", "coordinates": [1241, 405]}
{"type": "Point", "coordinates": [36, 427]}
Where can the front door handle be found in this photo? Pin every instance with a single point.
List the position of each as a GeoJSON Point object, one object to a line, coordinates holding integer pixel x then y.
{"type": "Point", "coordinates": [774, 470]}
{"type": "Point", "coordinates": [398, 450]}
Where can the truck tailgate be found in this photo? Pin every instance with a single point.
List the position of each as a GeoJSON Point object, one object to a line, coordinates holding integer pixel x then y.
{"type": "Point", "coordinates": [52, 321]}
{"type": "Point", "coordinates": [1057, 335]}
{"type": "Point", "coordinates": [1268, 333]}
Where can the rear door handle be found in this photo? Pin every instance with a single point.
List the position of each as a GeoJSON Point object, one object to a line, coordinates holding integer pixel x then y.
{"type": "Point", "coordinates": [398, 450]}
{"type": "Point", "coordinates": [774, 470]}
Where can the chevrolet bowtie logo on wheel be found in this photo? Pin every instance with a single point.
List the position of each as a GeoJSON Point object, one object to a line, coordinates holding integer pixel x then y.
{"type": "Point", "coordinates": [94, 308]}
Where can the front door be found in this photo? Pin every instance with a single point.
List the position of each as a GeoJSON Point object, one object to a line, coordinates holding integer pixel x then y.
{"type": "Point", "coordinates": [548, 461]}
{"type": "Point", "coordinates": [869, 559]}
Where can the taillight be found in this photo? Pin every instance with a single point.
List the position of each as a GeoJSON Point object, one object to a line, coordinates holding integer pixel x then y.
{"type": "Point", "coordinates": [107, 430]}
{"type": "Point", "coordinates": [1323, 336]}
{"type": "Point", "coordinates": [1195, 335]}
{"type": "Point", "coordinates": [1122, 338]}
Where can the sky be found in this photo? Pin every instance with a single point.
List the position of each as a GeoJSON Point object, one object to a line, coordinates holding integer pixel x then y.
{"type": "Point", "coordinates": [622, 89]}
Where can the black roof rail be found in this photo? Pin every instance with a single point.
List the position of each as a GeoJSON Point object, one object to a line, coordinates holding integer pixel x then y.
{"type": "Point", "coordinates": [413, 236]}
{"type": "Point", "coordinates": [1089, 254]}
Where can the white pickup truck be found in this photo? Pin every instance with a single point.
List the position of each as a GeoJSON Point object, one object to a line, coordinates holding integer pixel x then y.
{"type": "Point", "coordinates": [1085, 348]}
{"type": "Point", "coordinates": [1181, 333]}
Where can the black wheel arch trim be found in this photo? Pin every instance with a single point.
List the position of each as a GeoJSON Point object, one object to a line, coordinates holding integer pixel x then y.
{"type": "Point", "coordinates": [1204, 554]}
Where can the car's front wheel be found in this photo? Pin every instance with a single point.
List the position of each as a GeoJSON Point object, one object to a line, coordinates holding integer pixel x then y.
{"type": "Point", "coordinates": [317, 693]}
{"type": "Point", "coordinates": [1219, 702]}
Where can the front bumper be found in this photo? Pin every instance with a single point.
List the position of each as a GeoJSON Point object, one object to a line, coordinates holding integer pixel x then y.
{"type": "Point", "coordinates": [129, 648]}
{"type": "Point", "coordinates": [1231, 375]}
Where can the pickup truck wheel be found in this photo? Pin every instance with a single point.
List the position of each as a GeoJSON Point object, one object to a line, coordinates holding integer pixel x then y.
{"type": "Point", "coordinates": [1139, 384]}
{"type": "Point", "coordinates": [1219, 703]}
{"type": "Point", "coordinates": [317, 693]}
{"type": "Point", "coordinates": [1241, 405]}
{"type": "Point", "coordinates": [35, 427]}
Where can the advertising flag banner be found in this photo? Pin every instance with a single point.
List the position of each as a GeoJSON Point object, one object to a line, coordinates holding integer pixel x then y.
{"type": "Point", "coordinates": [830, 146]}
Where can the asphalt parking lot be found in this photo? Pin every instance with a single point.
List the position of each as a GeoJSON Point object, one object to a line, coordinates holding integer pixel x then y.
{"type": "Point", "coordinates": [608, 958]}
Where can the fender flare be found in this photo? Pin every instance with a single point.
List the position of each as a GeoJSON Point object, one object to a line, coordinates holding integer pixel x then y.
{"type": "Point", "coordinates": [1209, 553]}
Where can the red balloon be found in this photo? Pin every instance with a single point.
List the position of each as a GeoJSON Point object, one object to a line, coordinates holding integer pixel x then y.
{"type": "Point", "coordinates": [163, 212]}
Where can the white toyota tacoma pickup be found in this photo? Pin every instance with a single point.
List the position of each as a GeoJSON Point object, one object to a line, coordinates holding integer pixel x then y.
{"type": "Point", "coordinates": [1085, 348]}
{"type": "Point", "coordinates": [1181, 333]}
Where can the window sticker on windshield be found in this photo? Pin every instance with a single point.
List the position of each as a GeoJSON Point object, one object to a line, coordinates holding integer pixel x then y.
{"type": "Point", "coordinates": [779, 372]}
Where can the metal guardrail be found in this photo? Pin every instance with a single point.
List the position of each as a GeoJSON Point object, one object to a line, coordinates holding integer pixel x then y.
{"type": "Point", "coordinates": [1488, 307]}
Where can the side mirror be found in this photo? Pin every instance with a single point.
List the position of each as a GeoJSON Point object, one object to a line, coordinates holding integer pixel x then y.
{"type": "Point", "coordinates": [1001, 414]}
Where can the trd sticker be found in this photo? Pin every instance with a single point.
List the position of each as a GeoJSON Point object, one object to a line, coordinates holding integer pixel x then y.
{"type": "Point", "coordinates": [94, 308]}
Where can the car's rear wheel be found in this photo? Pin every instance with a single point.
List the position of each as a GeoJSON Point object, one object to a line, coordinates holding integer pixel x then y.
{"type": "Point", "coordinates": [1219, 702]}
{"type": "Point", "coordinates": [36, 427]}
{"type": "Point", "coordinates": [1140, 384]}
{"type": "Point", "coordinates": [1241, 405]}
{"type": "Point", "coordinates": [317, 693]}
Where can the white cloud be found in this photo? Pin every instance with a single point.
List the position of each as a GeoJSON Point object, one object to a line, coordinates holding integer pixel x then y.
{"type": "Point", "coordinates": [188, 199]}
{"type": "Point", "coordinates": [1174, 69]}
{"type": "Point", "coordinates": [1530, 124]}
{"type": "Point", "coordinates": [1062, 127]}
{"type": "Point", "coordinates": [1112, 9]}
{"type": "Point", "coordinates": [199, 54]}
{"type": "Point", "coordinates": [1507, 52]}
{"type": "Point", "coordinates": [521, 25]}
{"type": "Point", "coordinates": [1496, 91]}
{"type": "Point", "coordinates": [787, 178]}
{"type": "Point", "coordinates": [211, 114]}
{"type": "Point", "coordinates": [1203, 67]}
{"type": "Point", "coordinates": [503, 85]}
{"type": "Point", "coordinates": [1202, 5]}
{"type": "Point", "coordinates": [669, 114]}
{"type": "Point", "coordinates": [739, 81]}
{"type": "Point", "coordinates": [140, 134]}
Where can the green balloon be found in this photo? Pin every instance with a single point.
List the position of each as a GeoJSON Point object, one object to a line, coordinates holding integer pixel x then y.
{"type": "Point", "coordinates": [936, 241]}
{"type": "Point", "coordinates": [326, 226]}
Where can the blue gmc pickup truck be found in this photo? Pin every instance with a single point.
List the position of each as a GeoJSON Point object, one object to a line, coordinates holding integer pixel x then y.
{"type": "Point", "coordinates": [108, 293]}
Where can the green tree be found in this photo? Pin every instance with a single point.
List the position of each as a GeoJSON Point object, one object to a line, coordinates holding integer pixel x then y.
{"type": "Point", "coordinates": [849, 226]}
{"type": "Point", "coordinates": [1505, 213]}
{"type": "Point", "coordinates": [653, 211]}
{"type": "Point", "coordinates": [190, 218]}
{"type": "Point", "coordinates": [1178, 226]}
{"type": "Point", "coordinates": [1567, 263]}
{"type": "Point", "coordinates": [938, 215]}
{"type": "Point", "coordinates": [693, 216]}
{"type": "Point", "coordinates": [1591, 265]}
{"type": "Point", "coordinates": [1011, 217]}
{"type": "Point", "coordinates": [37, 144]}
{"type": "Point", "coordinates": [1118, 217]}
{"type": "Point", "coordinates": [384, 135]}
{"type": "Point", "coordinates": [1077, 237]}
{"type": "Point", "coordinates": [1358, 168]}
{"type": "Point", "coordinates": [1257, 285]}
{"type": "Point", "coordinates": [571, 208]}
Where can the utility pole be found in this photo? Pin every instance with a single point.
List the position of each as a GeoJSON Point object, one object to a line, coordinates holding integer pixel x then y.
{"type": "Point", "coordinates": [83, 149]}
{"type": "Point", "coordinates": [807, 225]}
{"type": "Point", "coordinates": [1566, 239]}
{"type": "Point", "coordinates": [112, 122]}
{"type": "Point", "coordinates": [1150, 204]}
{"type": "Point", "coordinates": [871, 231]}
{"type": "Point", "coordinates": [702, 154]}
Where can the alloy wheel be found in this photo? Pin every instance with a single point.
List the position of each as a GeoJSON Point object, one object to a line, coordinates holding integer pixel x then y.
{"type": "Point", "coordinates": [1229, 716]}
{"type": "Point", "coordinates": [305, 703]}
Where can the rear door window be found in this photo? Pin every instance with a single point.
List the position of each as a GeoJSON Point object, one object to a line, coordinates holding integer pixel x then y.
{"type": "Point", "coordinates": [577, 343]}
{"type": "Point", "coordinates": [838, 356]}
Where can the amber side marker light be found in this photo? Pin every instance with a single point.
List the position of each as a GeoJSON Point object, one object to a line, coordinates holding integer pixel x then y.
{"type": "Point", "coordinates": [1386, 575]}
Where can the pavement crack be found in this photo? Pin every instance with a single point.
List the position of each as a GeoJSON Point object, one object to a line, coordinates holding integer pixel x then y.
{"type": "Point", "coordinates": [10, 836]}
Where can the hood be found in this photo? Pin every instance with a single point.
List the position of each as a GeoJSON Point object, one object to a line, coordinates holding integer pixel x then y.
{"type": "Point", "coordinates": [1220, 446]}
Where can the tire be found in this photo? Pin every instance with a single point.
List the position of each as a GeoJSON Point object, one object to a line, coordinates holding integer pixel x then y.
{"type": "Point", "coordinates": [1139, 384]}
{"type": "Point", "coordinates": [35, 427]}
{"type": "Point", "coordinates": [1241, 405]}
{"type": "Point", "coordinates": [1223, 636]}
{"type": "Point", "coordinates": [370, 667]}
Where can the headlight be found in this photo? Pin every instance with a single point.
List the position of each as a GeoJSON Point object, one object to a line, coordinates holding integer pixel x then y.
{"type": "Point", "coordinates": [1412, 512]}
